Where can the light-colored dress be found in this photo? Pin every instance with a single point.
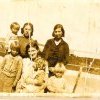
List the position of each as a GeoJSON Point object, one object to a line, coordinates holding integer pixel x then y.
{"type": "Point", "coordinates": [56, 85]}
{"type": "Point", "coordinates": [26, 83]}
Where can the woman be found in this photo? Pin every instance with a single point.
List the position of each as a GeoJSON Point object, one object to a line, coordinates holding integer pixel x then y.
{"type": "Point", "coordinates": [35, 71]}
{"type": "Point", "coordinates": [24, 40]}
{"type": "Point", "coordinates": [56, 49]}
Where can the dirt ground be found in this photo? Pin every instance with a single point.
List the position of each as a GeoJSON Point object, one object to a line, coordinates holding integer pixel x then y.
{"type": "Point", "coordinates": [86, 82]}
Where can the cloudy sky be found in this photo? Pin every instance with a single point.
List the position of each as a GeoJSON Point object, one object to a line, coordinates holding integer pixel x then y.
{"type": "Point", "coordinates": [80, 18]}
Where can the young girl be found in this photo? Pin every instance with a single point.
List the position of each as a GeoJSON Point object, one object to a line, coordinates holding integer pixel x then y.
{"type": "Point", "coordinates": [56, 83]}
{"type": "Point", "coordinates": [32, 67]}
{"type": "Point", "coordinates": [24, 40]}
{"type": "Point", "coordinates": [11, 69]}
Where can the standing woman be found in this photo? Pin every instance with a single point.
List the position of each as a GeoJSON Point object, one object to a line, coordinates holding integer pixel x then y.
{"type": "Point", "coordinates": [56, 49]}
{"type": "Point", "coordinates": [24, 40]}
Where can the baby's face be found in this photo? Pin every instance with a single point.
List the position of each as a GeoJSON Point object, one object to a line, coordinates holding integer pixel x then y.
{"type": "Point", "coordinates": [27, 31]}
{"type": "Point", "coordinates": [39, 79]}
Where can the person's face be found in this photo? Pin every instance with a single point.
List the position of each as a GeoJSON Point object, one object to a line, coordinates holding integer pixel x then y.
{"type": "Point", "coordinates": [38, 79]}
{"type": "Point", "coordinates": [14, 52]}
{"type": "Point", "coordinates": [15, 29]}
{"type": "Point", "coordinates": [32, 52]}
{"type": "Point", "coordinates": [59, 74]}
{"type": "Point", "coordinates": [58, 33]}
{"type": "Point", "coordinates": [27, 31]}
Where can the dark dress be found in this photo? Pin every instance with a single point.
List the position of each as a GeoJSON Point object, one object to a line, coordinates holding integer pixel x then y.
{"type": "Point", "coordinates": [56, 53]}
{"type": "Point", "coordinates": [23, 43]}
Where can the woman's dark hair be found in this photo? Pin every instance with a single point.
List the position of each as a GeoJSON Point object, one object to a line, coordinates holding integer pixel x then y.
{"type": "Point", "coordinates": [58, 26]}
{"type": "Point", "coordinates": [32, 44]}
{"type": "Point", "coordinates": [30, 24]}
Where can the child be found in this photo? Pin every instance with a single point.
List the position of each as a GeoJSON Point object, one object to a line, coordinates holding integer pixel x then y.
{"type": "Point", "coordinates": [13, 35]}
{"type": "Point", "coordinates": [32, 66]}
{"type": "Point", "coordinates": [56, 83]}
{"type": "Point", "coordinates": [11, 69]}
{"type": "Point", "coordinates": [14, 28]}
{"type": "Point", "coordinates": [35, 84]}
{"type": "Point", "coordinates": [39, 82]}
{"type": "Point", "coordinates": [24, 40]}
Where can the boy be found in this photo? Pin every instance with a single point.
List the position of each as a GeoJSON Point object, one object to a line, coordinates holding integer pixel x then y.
{"type": "Point", "coordinates": [13, 35]}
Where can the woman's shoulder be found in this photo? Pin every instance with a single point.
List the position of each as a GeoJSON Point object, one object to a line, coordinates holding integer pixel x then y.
{"type": "Point", "coordinates": [20, 37]}
{"type": "Point", "coordinates": [50, 40]}
{"type": "Point", "coordinates": [26, 60]}
{"type": "Point", "coordinates": [64, 42]}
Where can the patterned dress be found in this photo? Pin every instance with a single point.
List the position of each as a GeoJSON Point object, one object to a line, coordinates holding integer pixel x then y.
{"type": "Point", "coordinates": [11, 68]}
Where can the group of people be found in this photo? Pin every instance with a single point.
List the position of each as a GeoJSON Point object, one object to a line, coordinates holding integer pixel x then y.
{"type": "Point", "coordinates": [26, 69]}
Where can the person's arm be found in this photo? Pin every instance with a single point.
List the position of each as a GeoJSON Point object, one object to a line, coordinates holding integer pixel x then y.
{"type": "Point", "coordinates": [46, 69]}
{"type": "Point", "coordinates": [50, 85]}
{"type": "Point", "coordinates": [19, 71]}
{"type": "Point", "coordinates": [42, 87]}
{"type": "Point", "coordinates": [61, 89]}
{"type": "Point", "coordinates": [29, 78]}
{"type": "Point", "coordinates": [45, 50]}
{"type": "Point", "coordinates": [65, 60]}
{"type": "Point", "coordinates": [3, 62]}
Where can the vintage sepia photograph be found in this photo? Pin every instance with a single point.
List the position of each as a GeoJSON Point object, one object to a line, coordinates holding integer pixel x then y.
{"type": "Point", "coordinates": [50, 49]}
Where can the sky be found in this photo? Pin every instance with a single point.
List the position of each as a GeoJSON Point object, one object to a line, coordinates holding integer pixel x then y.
{"type": "Point", "coordinates": [80, 18]}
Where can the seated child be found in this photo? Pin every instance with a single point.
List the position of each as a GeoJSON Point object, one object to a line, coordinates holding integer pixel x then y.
{"type": "Point", "coordinates": [11, 69]}
{"type": "Point", "coordinates": [56, 83]}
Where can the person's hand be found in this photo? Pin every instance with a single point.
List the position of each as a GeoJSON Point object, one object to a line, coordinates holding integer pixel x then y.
{"type": "Point", "coordinates": [22, 86]}
{"type": "Point", "coordinates": [29, 81]}
{"type": "Point", "coordinates": [13, 88]}
{"type": "Point", "coordinates": [14, 84]}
